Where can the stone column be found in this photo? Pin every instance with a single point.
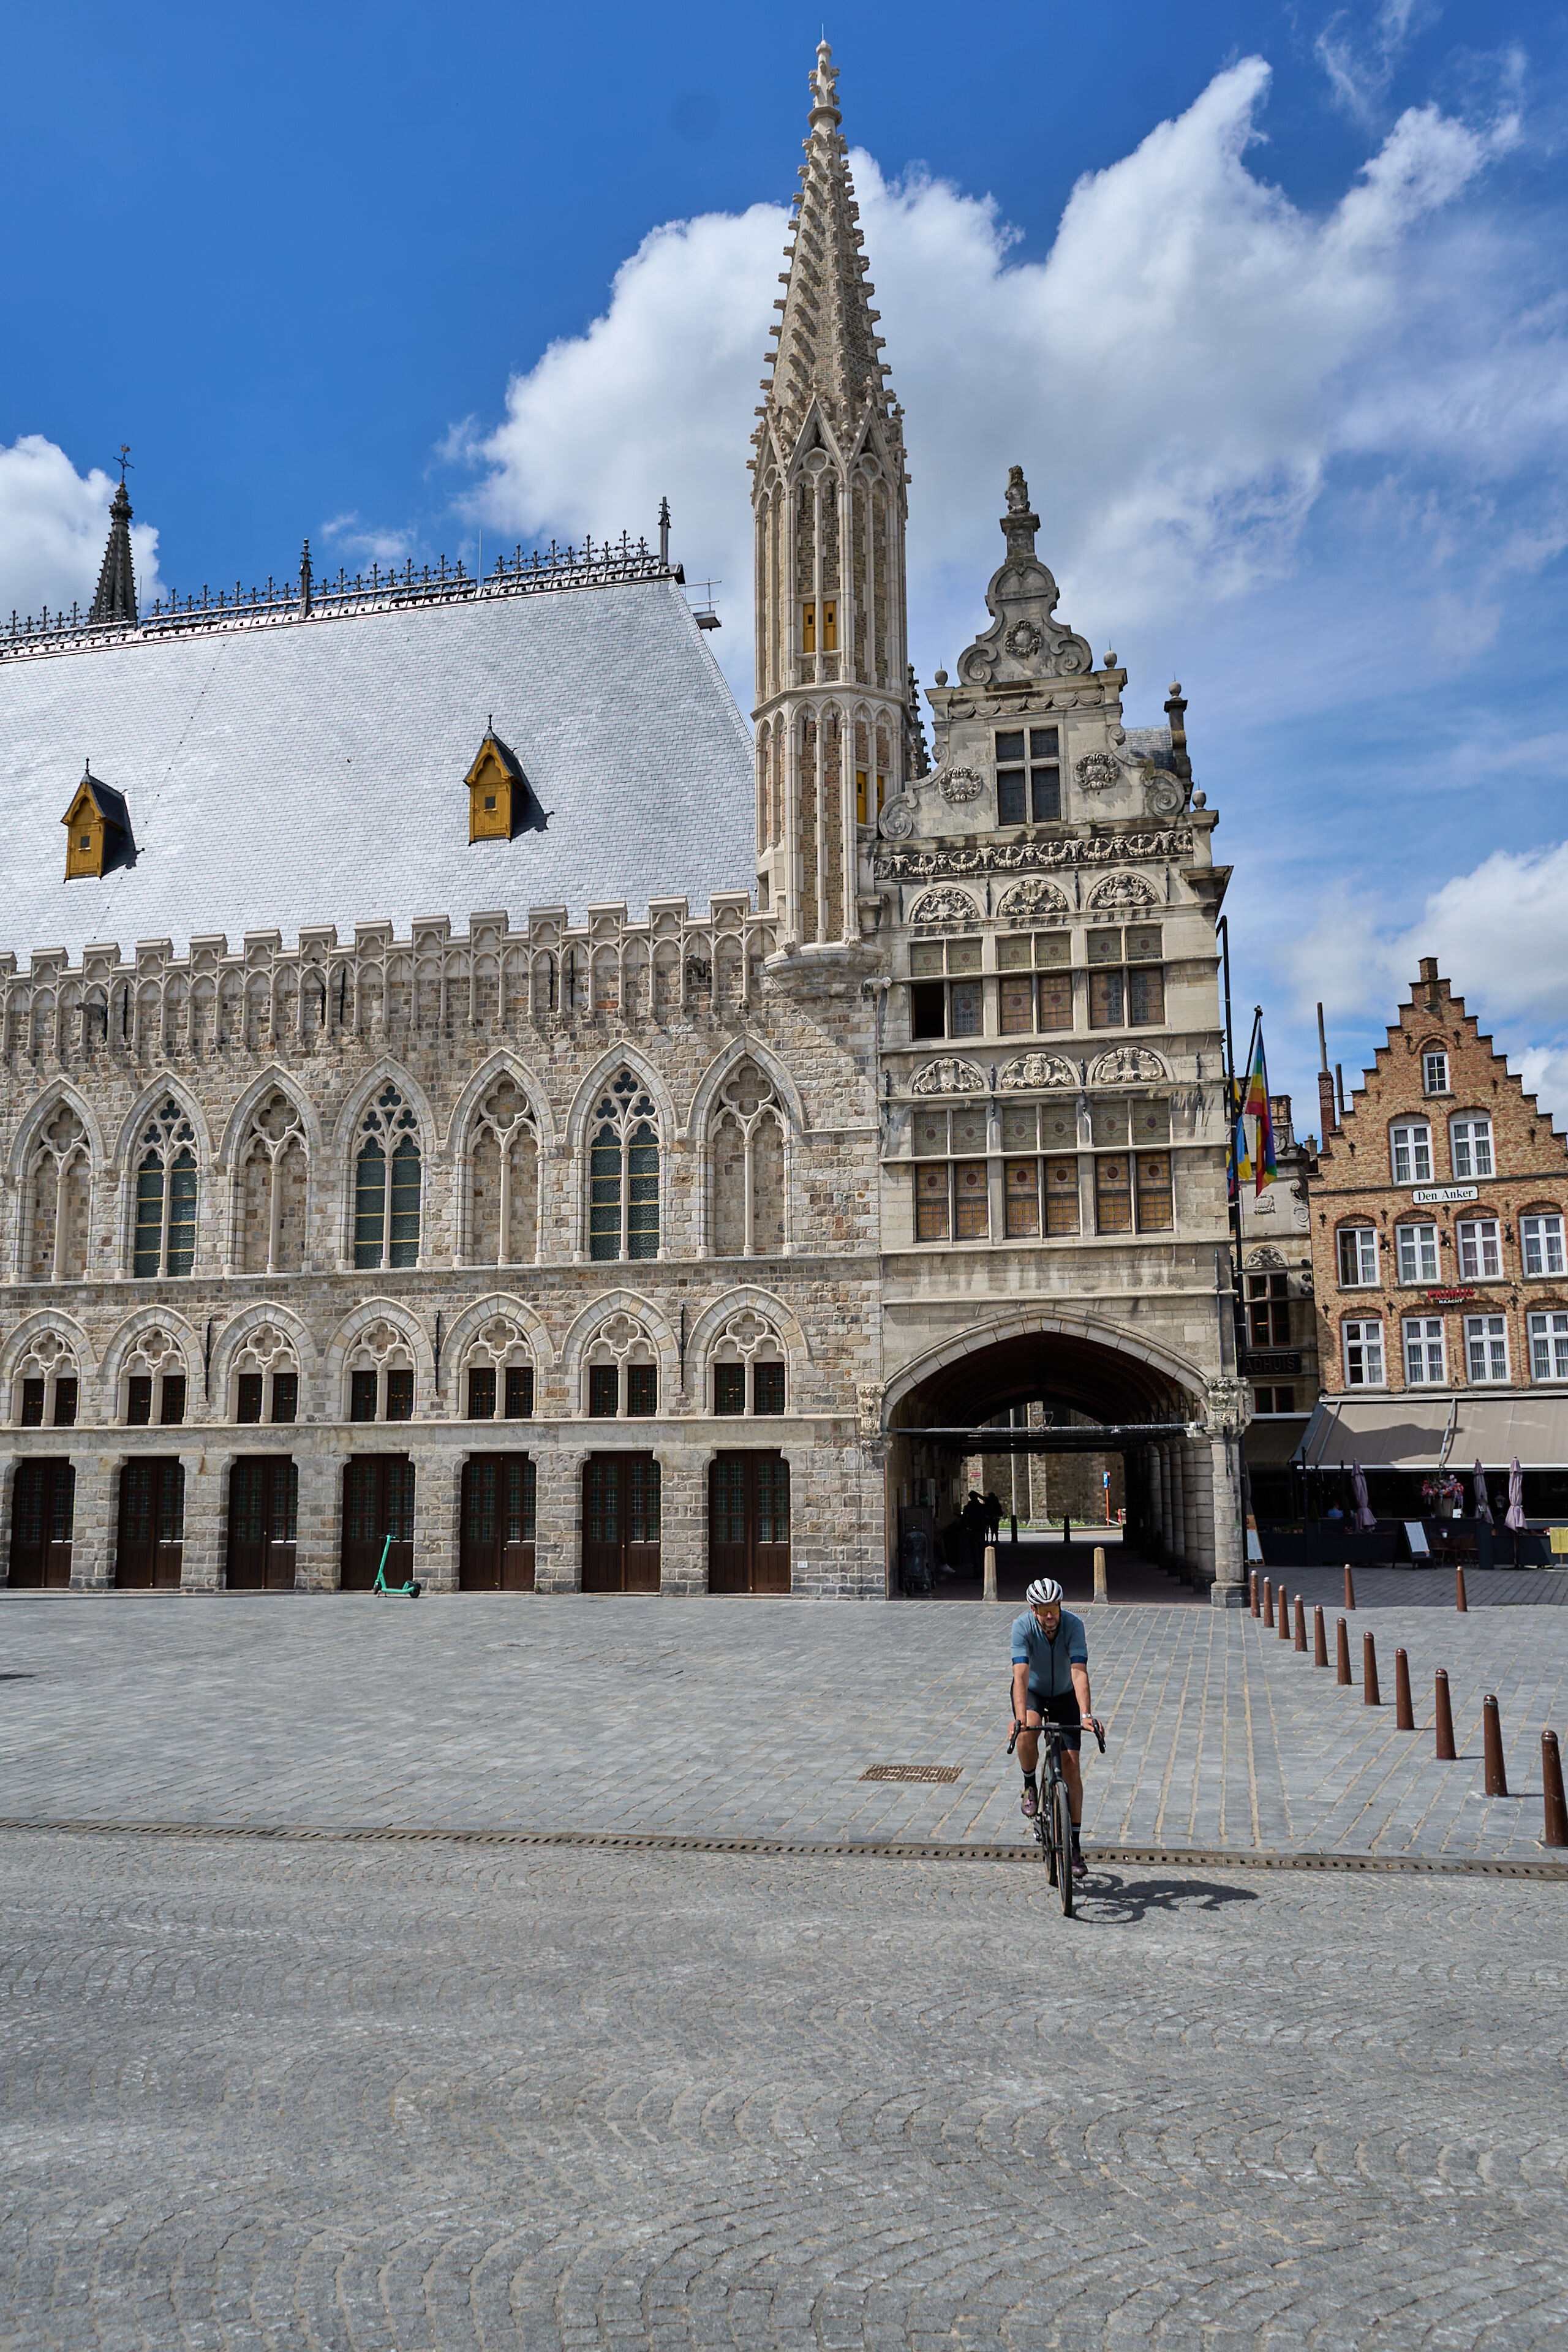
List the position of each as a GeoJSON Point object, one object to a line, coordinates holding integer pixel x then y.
{"type": "Point", "coordinates": [558, 1516]}
{"type": "Point", "coordinates": [1228, 1590]}
{"type": "Point", "coordinates": [1192, 1519]}
{"type": "Point", "coordinates": [205, 1520]}
{"type": "Point", "coordinates": [318, 1543]}
{"type": "Point", "coordinates": [1175, 1507]}
{"type": "Point", "coordinates": [682, 1518]}
{"type": "Point", "coordinates": [96, 1506]}
{"type": "Point", "coordinates": [9, 1465]}
{"type": "Point", "coordinates": [437, 1483]}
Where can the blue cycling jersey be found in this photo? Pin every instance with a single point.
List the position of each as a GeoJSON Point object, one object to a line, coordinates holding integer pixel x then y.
{"type": "Point", "coordinates": [1051, 1657]}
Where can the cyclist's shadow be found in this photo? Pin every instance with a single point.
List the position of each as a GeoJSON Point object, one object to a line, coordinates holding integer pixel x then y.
{"type": "Point", "coordinates": [1104, 1896]}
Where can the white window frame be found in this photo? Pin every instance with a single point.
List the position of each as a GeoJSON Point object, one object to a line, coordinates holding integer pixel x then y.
{"type": "Point", "coordinates": [1466, 1156]}
{"type": "Point", "coordinates": [1547, 1243]}
{"type": "Point", "coordinates": [1365, 1333]}
{"type": "Point", "coordinates": [1477, 1234]}
{"type": "Point", "coordinates": [1483, 1331]}
{"type": "Point", "coordinates": [1415, 1227]}
{"type": "Point", "coordinates": [1414, 1137]}
{"type": "Point", "coordinates": [1364, 1281]}
{"type": "Point", "coordinates": [1553, 1342]}
{"type": "Point", "coordinates": [1421, 1334]}
{"type": "Point", "coordinates": [1435, 1072]}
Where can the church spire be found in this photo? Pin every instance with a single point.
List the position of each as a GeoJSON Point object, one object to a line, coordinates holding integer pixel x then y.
{"type": "Point", "coordinates": [830, 505]}
{"type": "Point", "coordinates": [828, 345]}
{"type": "Point", "coordinates": [116, 597]}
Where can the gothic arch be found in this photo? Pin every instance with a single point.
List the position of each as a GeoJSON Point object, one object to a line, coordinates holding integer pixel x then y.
{"type": "Point", "coordinates": [167, 1090]}
{"type": "Point", "coordinates": [33, 1327]}
{"type": "Point", "coordinates": [502, 1064]}
{"type": "Point", "coordinates": [56, 1156]}
{"type": "Point", "coordinates": [32, 1119]}
{"type": "Point", "coordinates": [517, 1310]}
{"type": "Point", "coordinates": [743, 1048]}
{"type": "Point", "coordinates": [736, 1301]}
{"type": "Point", "coordinates": [363, 1318]}
{"type": "Point", "coordinates": [604, 1072]}
{"type": "Point", "coordinates": [148, 1103]}
{"type": "Point", "coordinates": [654, 1322]}
{"type": "Point", "coordinates": [113, 1363]}
{"type": "Point", "coordinates": [979, 1336]}
{"type": "Point", "coordinates": [272, 1080]}
{"type": "Point", "coordinates": [238, 1327]}
{"type": "Point", "coordinates": [342, 1181]}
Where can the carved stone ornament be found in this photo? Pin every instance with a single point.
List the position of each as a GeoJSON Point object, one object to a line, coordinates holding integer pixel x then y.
{"type": "Point", "coordinates": [1127, 1065]}
{"type": "Point", "coordinates": [897, 820]}
{"type": "Point", "coordinates": [1038, 1070]}
{"type": "Point", "coordinates": [958, 784]}
{"type": "Point", "coordinates": [948, 1077]}
{"type": "Point", "coordinates": [1095, 772]}
{"type": "Point", "coordinates": [869, 1408]}
{"type": "Point", "coordinates": [1123, 893]}
{"type": "Point", "coordinates": [1164, 797]}
{"type": "Point", "coordinates": [1265, 1257]}
{"type": "Point", "coordinates": [1028, 902]}
{"type": "Point", "coordinates": [1024, 640]}
{"type": "Point", "coordinates": [1172, 844]}
{"type": "Point", "coordinates": [945, 907]}
{"type": "Point", "coordinates": [1227, 1402]}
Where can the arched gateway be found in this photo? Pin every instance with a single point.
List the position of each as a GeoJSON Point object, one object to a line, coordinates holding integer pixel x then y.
{"type": "Point", "coordinates": [1034, 1389]}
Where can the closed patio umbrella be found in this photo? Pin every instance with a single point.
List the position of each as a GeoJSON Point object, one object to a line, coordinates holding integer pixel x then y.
{"type": "Point", "coordinates": [1362, 1516]}
{"type": "Point", "coordinates": [1483, 1504]}
{"type": "Point", "coordinates": [1514, 1516]}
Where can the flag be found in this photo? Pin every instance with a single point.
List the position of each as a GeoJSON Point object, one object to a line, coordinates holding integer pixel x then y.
{"type": "Point", "coordinates": [1265, 1164]}
{"type": "Point", "coordinates": [1240, 1156]}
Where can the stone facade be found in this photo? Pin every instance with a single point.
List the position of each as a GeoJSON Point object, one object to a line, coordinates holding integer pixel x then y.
{"type": "Point", "coordinates": [935, 1128]}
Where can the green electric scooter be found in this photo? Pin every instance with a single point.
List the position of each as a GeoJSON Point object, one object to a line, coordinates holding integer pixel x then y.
{"type": "Point", "coordinates": [409, 1591]}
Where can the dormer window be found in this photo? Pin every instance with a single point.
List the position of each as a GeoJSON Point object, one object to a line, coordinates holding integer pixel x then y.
{"type": "Point", "coordinates": [491, 781]}
{"type": "Point", "coordinates": [98, 829]}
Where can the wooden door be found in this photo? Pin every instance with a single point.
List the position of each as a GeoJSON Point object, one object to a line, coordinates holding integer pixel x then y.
{"type": "Point", "coordinates": [497, 1524]}
{"type": "Point", "coordinates": [263, 1517]}
{"type": "Point", "coordinates": [620, 1523]}
{"type": "Point", "coordinates": [747, 1523]}
{"type": "Point", "coordinates": [152, 1525]}
{"type": "Point", "coordinates": [43, 1505]}
{"type": "Point", "coordinates": [378, 1501]}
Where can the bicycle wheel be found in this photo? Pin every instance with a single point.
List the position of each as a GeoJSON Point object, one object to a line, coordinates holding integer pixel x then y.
{"type": "Point", "coordinates": [1043, 1831]}
{"type": "Point", "coordinates": [1062, 1810]}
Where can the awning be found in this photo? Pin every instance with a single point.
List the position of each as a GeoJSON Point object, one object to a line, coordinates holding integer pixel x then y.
{"type": "Point", "coordinates": [1410, 1432]}
{"type": "Point", "coordinates": [1271, 1443]}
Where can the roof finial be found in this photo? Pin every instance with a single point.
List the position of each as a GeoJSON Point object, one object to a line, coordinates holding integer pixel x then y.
{"type": "Point", "coordinates": [664, 531]}
{"type": "Point", "coordinates": [125, 460]}
{"type": "Point", "coordinates": [824, 84]}
{"type": "Point", "coordinates": [116, 599]}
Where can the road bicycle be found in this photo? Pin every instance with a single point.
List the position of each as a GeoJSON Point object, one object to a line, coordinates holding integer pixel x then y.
{"type": "Point", "coordinates": [1053, 1817]}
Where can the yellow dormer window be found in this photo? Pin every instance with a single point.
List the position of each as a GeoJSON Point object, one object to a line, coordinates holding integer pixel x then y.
{"type": "Point", "coordinates": [96, 829]}
{"type": "Point", "coordinates": [490, 781]}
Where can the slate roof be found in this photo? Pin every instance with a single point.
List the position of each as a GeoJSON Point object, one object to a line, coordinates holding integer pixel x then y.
{"type": "Point", "coordinates": [312, 770]}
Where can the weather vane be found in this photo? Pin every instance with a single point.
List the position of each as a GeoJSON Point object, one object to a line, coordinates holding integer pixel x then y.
{"type": "Point", "coordinates": [125, 461]}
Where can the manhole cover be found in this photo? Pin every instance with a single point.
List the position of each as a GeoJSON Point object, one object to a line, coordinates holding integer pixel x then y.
{"type": "Point", "coordinates": [912, 1772]}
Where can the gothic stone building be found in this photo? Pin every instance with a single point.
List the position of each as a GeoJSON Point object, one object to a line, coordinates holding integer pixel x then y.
{"type": "Point", "coordinates": [430, 1120]}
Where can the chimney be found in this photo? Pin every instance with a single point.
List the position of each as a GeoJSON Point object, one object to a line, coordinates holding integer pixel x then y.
{"type": "Point", "coordinates": [1432, 984]}
{"type": "Point", "coordinates": [1328, 1114]}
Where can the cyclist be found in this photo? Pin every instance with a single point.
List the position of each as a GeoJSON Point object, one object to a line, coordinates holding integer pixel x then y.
{"type": "Point", "coordinates": [1050, 1683]}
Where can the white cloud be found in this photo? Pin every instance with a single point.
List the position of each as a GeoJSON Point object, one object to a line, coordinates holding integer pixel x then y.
{"type": "Point", "coordinates": [1360, 67]}
{"type": "Point", "coordinates": [54, 524]}
{"type": "Point", "coordinates": [1179, 376]}
{"type": "Point", "coordinates": [349, 535]}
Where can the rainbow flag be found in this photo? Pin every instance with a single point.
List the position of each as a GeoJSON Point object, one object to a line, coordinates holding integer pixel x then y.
{"type": "Point", "coordinates": [1265, 1168]}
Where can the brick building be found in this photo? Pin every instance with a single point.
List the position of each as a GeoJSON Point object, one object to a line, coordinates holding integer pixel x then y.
{"type": "Point", "coordinates": [785, 1108]}
{"type": "Point", "coordinates": [1438, 1225]}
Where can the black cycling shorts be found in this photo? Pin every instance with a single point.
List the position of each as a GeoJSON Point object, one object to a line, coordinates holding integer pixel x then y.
{"type": "Point", "coordinates": [1063, 1711]}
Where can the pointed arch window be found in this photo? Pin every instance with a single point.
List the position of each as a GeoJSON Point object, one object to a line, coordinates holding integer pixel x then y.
{"type": "Point", "coordinates": [387, 1184]}
{"type": "Point", "coordinates": [166, 1239]}
{"type": "Point", "coordinates": [503, 1179]}
{"type": "Point", "coordinates": [623, 1174]}
{"type": "Point", "coordinates": [58, 1195]}
{"type": "Point", "coordinates": [748, 1167]}
{"type": "Point", "coordinates": [272, 1188]}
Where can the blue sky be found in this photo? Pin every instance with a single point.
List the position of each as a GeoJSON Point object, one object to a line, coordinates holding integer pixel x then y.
{"type": "Point", "coordinates": [1270, 301]}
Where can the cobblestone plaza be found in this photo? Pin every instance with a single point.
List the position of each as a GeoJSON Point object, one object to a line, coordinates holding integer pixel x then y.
{"type": "Point", "coordinates": [273, 2083]}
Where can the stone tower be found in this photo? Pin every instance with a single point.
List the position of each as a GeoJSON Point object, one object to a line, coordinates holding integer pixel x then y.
{"type": "Point", "coordinates": [829, 500]}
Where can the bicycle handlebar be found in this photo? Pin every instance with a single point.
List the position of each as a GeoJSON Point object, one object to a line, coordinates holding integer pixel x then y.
{"type": "Point", "coordinates": [1093, 1721]}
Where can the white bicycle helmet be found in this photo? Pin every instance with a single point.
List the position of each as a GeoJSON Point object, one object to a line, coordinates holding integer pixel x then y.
{"type": "Point", "coordinates": [1042, 1592]}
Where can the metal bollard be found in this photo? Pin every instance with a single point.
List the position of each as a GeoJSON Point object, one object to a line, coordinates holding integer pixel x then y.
{"type": "Point", "coordinates": [1344, 1652]}
{"type": "Point", "coordinates": [1403, 1706]}
{"type": "Point", "coordinates": [1102, 1589]}
{"type": "Point", "coordinates": [1268, 1602]}
{"type": "Point", "coordinates": [1491, 1747]}
{"type": "Point", "coordinates": [1446, 1751]}
{"type": "Point", "coordinates": [1284, 1614]}
{"type": "Point", "coordinates": [1370, 1694]}
{"type": "Point", "coordinates": [1320, 1638]}
{"type": "Point", "coordinates": [1461, 1598]}
{"type": "Point", "coordinates": [1349, 1587]}
{"type": "Point", "coordinates": [1300, 1624]}
{"type": "Point", "coordinates": [1556, 1828]}
{"type": "Point", "coordinates": [990, 1591]}
{"type": "Point", "coordinates": [1257, 1605]}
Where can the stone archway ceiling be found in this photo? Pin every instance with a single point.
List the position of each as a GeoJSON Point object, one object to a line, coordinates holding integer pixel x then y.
{"type": "Point", "coordinates": [1066, 1371]}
